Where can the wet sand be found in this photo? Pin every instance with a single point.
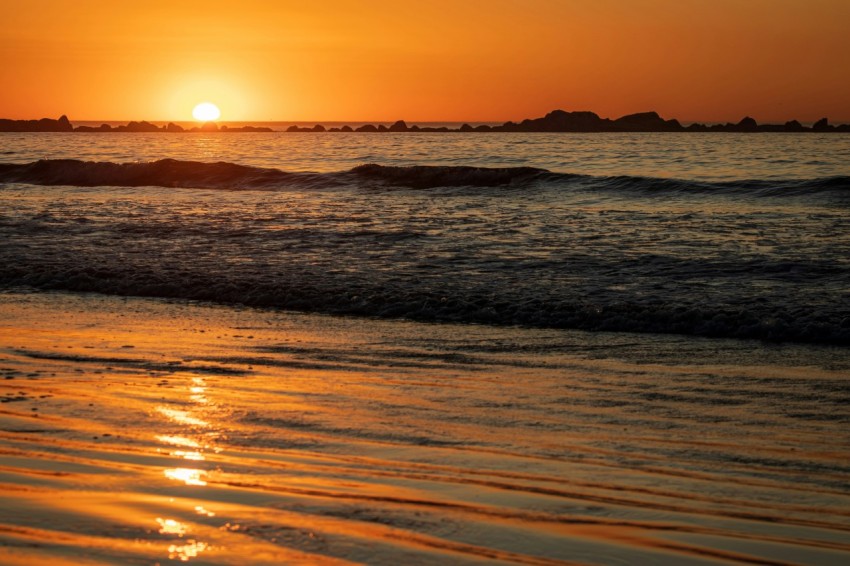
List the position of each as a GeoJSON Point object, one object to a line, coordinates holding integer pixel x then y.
{"type": "Point", "coordinates": [146, 431]}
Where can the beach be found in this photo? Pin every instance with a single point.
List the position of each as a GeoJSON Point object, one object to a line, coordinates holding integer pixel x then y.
{"type": "Point", "coordinates": [425, 283]}
{"type": "Point", "coordinates": [155, 431]}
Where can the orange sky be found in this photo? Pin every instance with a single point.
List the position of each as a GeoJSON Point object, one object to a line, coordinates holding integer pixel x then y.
{"type": "Point", "coordinates": [706, 60]}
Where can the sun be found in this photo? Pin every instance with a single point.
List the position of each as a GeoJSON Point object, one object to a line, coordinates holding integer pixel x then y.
{"type": "Point", "coordinates": [206, 112]}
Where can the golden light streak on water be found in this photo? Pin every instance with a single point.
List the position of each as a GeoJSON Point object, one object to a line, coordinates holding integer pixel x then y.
{"type": "Point", "coordinates": [197, 456]}
{"type": "Point", "coordinates": [188, 476]}
{"type": "Point", "coordinates": [186, 551]}
{"type": "Point", "coordinates": [178, 441]}
{"type": "Point", "coordinates": [182, 417]}
{"type": "Point", "coordinates": [171, 527]}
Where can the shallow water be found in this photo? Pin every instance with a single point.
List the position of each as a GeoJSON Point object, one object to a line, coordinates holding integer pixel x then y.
{"type": "Point", "coordinates": [137, 431]}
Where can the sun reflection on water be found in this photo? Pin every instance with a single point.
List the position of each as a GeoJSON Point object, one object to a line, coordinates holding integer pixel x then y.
{"type": "Point", "coordinates": [192, 448]}
{"type": "Point", "coordinates": [178, 441]}
{"type": "Point", "coordinates": [182, 417]}
{"type": "Point", "coordinates": [201, 511]}
{"type": "Point", "coordinates": [184, 552]}
{"type": "Point", "coordinates": [188, 476]}
{"type": "Point", "coordinates": [199, 386]}
{"type": "Point", "coordinates": [171, 527]}
{"type": "Point", "coordinates": [196, 456]}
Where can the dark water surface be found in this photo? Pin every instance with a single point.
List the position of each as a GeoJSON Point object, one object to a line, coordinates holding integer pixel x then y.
{"type": "Point", "coordinates": [709, 253]}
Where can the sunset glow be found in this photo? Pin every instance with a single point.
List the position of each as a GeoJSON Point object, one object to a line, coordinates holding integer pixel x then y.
{"type": "Point", "coordinates": [444, 60]}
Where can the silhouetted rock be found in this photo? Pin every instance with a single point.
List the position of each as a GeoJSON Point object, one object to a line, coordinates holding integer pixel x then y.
{"type": "Point", "coordinates": [559, 121]}
{"type": "Point", "coordinates": [139, 127]}
{"type": "Point", "coordinates": [793, 126]}
{"type": "Point", "coordinates": [399, 126]}
{"type": "Point", "coordinates": [821, 125]}
{"type": "Point", "coordinates": [747, 124]}
{"type": "Point", "coordinates": [646, 122]}
{"type": "Point", "coordinates": [43, 125]}
{"type": "Point", "coordinates": [243, 129]}
{"type": "Point", "coordinates": [99, 129]}
{"type": "Point", "coordinates": [555, 121]}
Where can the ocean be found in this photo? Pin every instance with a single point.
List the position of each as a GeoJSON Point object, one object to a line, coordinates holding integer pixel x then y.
{"type": "Point", "coordinates": [738, 236]}
{"type": "Point", "coordinates": [425, 348]}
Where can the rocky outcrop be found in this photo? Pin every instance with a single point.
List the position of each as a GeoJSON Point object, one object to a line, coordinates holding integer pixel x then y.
{"type": "Point", "coordinates": [646, 122]}
{"type": "Point", "coordinates": [555, 121]}
{"type": "Point", "coordinates": [821, 125]}
{"type": "Point", "coordinates": [43, 125]}
{"type": "Point", "coordinates": [399, 126]}
{"type": "Point", "coordinates": [793, 126]}
{"type": "Point", "coordinates": [559, 121]}
{"type": "Point", "coordinates": [747, 125]}
{"type": "Point", "coordinates": [243, 129]}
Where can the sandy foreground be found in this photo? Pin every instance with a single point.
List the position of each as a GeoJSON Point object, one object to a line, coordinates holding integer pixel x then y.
{"type": "Point", "coordinates": [137, 431]}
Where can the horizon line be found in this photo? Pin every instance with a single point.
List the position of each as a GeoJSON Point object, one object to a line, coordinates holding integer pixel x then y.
{"type": "Point", "coordinates": [413, 121]}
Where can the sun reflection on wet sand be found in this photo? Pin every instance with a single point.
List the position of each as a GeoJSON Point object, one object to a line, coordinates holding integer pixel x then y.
{"type": "Point", "coordinates": [182, 552]}
{"type": "Point", "coordinates": [308, 456]}
{"type": "Point", "coordinates": [197, 456]}
{"type": "Point", "coordinates": [198, 388]}
{"type": "Point", "coordinates": [188, 476]}
{"type": "Point", "coordinates": [200, 510]}
{"type": "Point", "coordinates": [186, 551]}
{"type": "Point", "coordinates": [178, 441]}
{"type": "Point", "coordinates": [171, 527]}
{"type": "Point", "coordinates": [182, 417]}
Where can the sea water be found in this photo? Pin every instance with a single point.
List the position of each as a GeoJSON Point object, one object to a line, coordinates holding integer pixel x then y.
{"type": "Point", "coordinates": [722, 235]}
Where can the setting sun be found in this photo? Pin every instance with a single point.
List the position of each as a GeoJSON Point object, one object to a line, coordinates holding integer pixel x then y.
{"type": "Point", "coordinates": [206, 112]}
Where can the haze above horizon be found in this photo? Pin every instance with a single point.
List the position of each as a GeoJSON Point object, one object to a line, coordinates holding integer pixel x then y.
{"type": "Point", "coordinates": [474, 61]}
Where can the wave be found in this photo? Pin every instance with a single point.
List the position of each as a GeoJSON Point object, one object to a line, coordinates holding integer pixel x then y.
{"type": "Point", "coordinates": [311, 293]}
{"type": "Point", "coordinates": [161, 173]}
{"type": "Point", "coordinates": [233, 176]}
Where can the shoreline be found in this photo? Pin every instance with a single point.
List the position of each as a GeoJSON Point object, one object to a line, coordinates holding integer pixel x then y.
{"type": "Point", "coordinates": [142, 429]}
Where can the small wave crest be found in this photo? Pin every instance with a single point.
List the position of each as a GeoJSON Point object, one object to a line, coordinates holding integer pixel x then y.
{"type": "Point", "coordinates": [753, 187]}
{"type": "Point", "coordinates": [424, 176]}
{"type": "Point", "coordinates": [161, 173]}
{"type": "Point", "coordinates": [233, 176]}
{"type": "Point", "coordinates": [338, 296]}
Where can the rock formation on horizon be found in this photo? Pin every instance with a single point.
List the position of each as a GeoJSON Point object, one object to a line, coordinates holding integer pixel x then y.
{"type": "Point", "coordinates": [43, 125]}
{"type": "Point", "coordinates": [555, 121]}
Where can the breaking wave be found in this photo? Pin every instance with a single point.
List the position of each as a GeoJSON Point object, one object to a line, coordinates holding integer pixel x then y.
{"type": "Point", "coordinates": [309, 292]}
{"type": "Point", "coordinates": [538, 254]}
{"type": "Point", "coordinates": [232, 176]}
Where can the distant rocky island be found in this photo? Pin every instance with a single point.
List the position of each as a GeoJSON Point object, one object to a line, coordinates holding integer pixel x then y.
{"type": "Point", "coordinates": [64, 125]}
{"type": "Point", "coordinates": [555, 121]}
